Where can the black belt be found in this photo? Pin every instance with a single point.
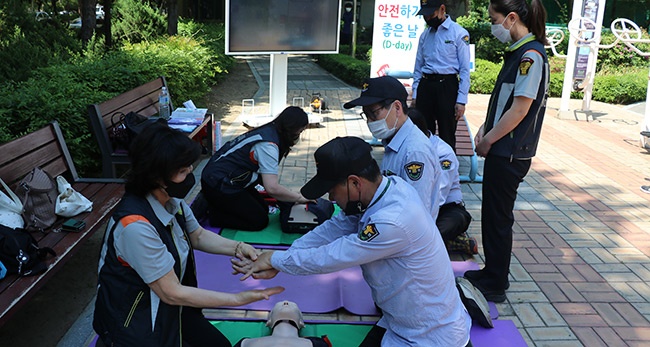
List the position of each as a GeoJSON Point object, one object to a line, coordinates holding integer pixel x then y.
{"type": "Point", "coordinates": [437, 76]}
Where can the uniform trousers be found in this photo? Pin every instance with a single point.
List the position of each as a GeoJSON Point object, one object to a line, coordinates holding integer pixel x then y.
{"type": "Point", "coordinates": [245, 210]}
{"type": "Point", "coordinates": [501, 179]}
{"type": "Point", "coordinates": [436, 99]}
{"type": "Point", "coordinates": [453, 220]}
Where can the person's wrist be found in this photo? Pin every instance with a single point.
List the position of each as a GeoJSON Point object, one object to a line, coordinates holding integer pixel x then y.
{"type": "Point", "coordinates": [238, 247]}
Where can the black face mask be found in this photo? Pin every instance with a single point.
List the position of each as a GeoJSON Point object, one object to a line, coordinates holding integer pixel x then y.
{"type": "Point", "coordinates": [180, 190]}
{"type": "Point", "coordinates": [434, 22]}
{"type": "Point", "coordinates": [353, 207]}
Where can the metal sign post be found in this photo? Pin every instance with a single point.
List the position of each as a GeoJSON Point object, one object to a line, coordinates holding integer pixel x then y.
{"type": "Point", "coordinates": [585, 29]}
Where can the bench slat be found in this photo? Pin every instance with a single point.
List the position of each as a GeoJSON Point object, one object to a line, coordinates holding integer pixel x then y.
{"type": "Point", "coordinates": [46, 148]}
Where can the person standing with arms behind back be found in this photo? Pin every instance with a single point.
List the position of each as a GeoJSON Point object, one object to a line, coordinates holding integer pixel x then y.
{"type": "Point", "coordinates": [509, 136]}
{"type": "Point", "coordinates": [441, 60]}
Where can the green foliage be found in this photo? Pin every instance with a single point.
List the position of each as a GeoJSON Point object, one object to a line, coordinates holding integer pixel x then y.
{"type": "Point", "coordinates": [622, 88]}
{"type": "Point", "coordinates": [64, 90]}
{"type": "Point", "coordinates": [135, 21]}
{"type": "Point", "coordinates": [345, 67]}
{"type": "Point", "coordinates": [483, 78]}
{"type": "Point", "coordinates": [621, 55]}
{"type": "Point", "coordinates": [487, 46]}
{"type": "Point", "coordinates": [26, 44]}
{"type": "Point", "coordinates": [362, 52]}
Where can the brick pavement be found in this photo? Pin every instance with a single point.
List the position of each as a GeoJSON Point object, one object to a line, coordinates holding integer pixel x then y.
{"type": "Point", "coordinates": [580, 265]}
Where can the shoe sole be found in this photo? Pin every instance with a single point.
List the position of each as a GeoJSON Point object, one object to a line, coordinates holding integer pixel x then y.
{"type": "Point", "coordinates": [497, 296]}
{"type": "Point", "coordinates": [478, 277]}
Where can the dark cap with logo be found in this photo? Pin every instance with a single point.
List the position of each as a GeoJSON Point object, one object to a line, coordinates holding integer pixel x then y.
{"type": "Point", "coordinates": [335, 161]}
{"type": "Point", "coordinates": [377, 90]}
{"type": "Point", "coordinates": [427, 7]}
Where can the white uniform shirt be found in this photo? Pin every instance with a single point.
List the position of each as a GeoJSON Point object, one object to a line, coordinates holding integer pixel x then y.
{"type": "Point", "coordinates": [450, 191]}
{"type": "Point", "coordinates": [411, 156]}
{"type": "Point", "coordinates": [403, 260]}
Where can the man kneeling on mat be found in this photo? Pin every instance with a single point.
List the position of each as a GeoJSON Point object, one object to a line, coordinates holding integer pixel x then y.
{"type": "Point", "coordinates": [285, 321]}
{"type": "Point", "coordinates": [385, 229]}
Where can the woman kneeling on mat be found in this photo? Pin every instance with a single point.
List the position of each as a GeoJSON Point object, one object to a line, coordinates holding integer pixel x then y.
{"type": "Point", "coordinates": [146, 293]}
{"type": "Point", "coordinates": [229, 179]}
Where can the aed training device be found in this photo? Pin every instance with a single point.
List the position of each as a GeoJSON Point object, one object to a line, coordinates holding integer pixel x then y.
{"type": "Point", "coordinates": [73, 225]}
{"type": "Point", "coordinates": [301, 218]}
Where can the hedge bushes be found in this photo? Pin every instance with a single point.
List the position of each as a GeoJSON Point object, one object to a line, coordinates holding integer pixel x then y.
{"type": "Point", "coordinates": [63, 91]}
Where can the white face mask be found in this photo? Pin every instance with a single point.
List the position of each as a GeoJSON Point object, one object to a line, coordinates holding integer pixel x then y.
{"type": "Point", "coordinates": [501, 33]}
{"type": "Point", "coordinates": [348, 9]}
{"type": "Point", "coordinates": [379, 128]}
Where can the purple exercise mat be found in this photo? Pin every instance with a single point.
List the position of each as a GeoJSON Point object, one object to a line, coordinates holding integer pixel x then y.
{"type": "Point", "coordinates": [313, 294]}
{"type": "Point", "coordinates": [504, 333]}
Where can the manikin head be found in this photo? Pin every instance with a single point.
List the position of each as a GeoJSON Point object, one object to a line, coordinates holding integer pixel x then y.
{"type": "Point", "coordinates": [285, 311]}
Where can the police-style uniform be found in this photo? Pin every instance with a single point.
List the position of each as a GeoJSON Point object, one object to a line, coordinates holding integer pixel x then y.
{"type": "Point", "coordinates": [403, 259]}
{"type": "Point", "coordinates": [441, 76]}
{"type": "Point", "coordinates": [453, 219]}
{"type": "Point", "coordinates": [525, 72]}
{"type": "Point", "coordinates": [411, 156]}
{"type": "Point", "coordinates": [229, 178]}
{"type": "Point", "coordinates": [143, 242]}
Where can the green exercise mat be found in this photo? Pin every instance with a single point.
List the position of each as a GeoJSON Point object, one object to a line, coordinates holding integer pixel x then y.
{"type": "Point", "coordinates": [341, 335]}
{"type": "Point", "coordinates": [271, 235]}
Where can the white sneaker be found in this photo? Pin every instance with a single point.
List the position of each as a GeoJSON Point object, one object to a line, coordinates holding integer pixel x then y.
{"type": "Point", "coordinates": [645, 189]}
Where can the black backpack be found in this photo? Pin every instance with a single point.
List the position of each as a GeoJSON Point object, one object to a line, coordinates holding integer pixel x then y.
{"type": "Point", "coordinates": [20, 254]}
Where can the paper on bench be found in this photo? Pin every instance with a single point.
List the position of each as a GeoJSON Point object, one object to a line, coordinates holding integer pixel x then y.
{"type": "Point", "coordinates": [184, 115]}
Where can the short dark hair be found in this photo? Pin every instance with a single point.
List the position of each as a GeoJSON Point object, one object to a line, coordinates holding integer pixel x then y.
{"type": "Point", "coordinates": [418, 119]}
{"type": "Point", "coordinates": [157, 154]}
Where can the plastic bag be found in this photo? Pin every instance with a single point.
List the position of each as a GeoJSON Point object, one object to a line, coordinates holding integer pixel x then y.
{"type": "Point", "coordinates": [70, 202]}
{"type": "Point", "coordinates": [11, 209]}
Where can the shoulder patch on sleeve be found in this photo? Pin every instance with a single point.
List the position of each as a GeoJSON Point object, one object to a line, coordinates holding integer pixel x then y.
{"type": "Point", "coordinates": [466, 39]}
{"type": "Point", "coordinates": [126, 220]}
{"type": "Point", "coordinates": [414, 170]}
{"type": "Point", "coordinates": [445, 164]}
{"type": "Point", "coordinates": [368, 233]}
{"type": "Point", "coordinates": [524, 65]}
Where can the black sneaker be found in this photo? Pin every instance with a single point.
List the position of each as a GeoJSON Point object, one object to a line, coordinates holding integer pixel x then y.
{"type": "Point", "coordinates": [477, 275]}
{"type": "Point", "coordinates": [474, 302]}
{"type": "Point", "coordinates": [645, 189]}
{"type": "Point", "coordinates": [494, 295]}
{"type": "Point", "coordinates": [463, 244]}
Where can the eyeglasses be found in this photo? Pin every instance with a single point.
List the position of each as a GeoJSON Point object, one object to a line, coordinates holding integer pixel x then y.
{"type": "Point", "coordinates": [372, 115]}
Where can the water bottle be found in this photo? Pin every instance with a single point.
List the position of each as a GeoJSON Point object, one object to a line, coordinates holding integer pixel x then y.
{"type": "Point", "coordinates": [163, 102]}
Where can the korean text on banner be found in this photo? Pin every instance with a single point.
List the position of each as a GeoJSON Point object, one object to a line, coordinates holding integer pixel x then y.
{"type": "Point", "coordinates": [395, 39]}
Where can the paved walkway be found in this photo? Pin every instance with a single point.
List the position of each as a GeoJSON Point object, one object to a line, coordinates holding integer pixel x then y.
{"type": "Point", "coordinates": [581, 256]}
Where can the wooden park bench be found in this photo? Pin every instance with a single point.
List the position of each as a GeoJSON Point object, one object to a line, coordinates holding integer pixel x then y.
{"type": "Point", "coordinates": [142, 100]}
{"type": "Point", "coordinates": [46, 148]}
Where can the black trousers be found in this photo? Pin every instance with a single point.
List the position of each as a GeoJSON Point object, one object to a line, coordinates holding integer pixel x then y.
{"type": "Point", "coordinates": [501, 179]}
{"type": "Point", "coordinates": [436, 99]}
{"type": "Point", "coordinates": [246, 210]}
{"type": "Point", "coordinates": [453, 220]}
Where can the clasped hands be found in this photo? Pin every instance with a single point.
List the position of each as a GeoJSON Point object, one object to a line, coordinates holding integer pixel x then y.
{"type": "Point", "coordinates": [259, 268]}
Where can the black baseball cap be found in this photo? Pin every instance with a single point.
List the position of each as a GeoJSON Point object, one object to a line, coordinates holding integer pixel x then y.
{"type": "Point", "coordinates": [335, 161]}
{"type": "Point", "coordinates": [379, 89]}
{"type": "Point", "coordinates": [427, 7]}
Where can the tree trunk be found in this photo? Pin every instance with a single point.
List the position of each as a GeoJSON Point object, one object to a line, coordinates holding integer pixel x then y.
{"type": "Point", "coordinates": [88, 20]}
{"type": "Point", "coordinates": [172, 17]}
{"type": "Point", "coordinates": [108, 38]}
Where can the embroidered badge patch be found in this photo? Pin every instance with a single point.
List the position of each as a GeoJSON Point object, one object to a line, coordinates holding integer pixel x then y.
{"type": "Point", "coordinates": [364, 87]}
{"type": "Point", "coordinates": [445, 164]}
{"type": "Point", "coordinates": [466, 39]}
{"type": "Point", "coordinates": [524, 65]}
{"type": "Point", "coordinates": [368, 233]}
{"type": "Point", "coordinates": [414, 170]}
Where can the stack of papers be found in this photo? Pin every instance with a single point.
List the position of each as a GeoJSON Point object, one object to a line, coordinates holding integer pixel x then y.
{"type": "Point", "coordinates": [187, 119]}
{"type": "Point", "coordinates": [188, 116]}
